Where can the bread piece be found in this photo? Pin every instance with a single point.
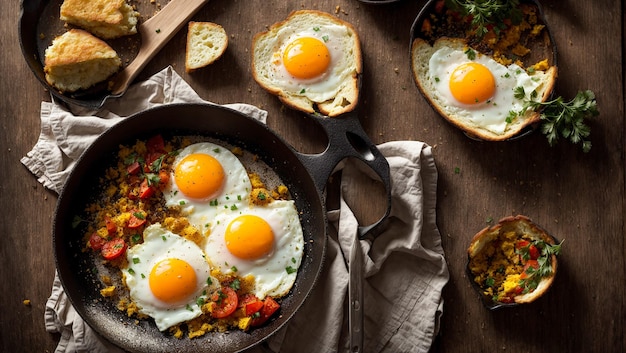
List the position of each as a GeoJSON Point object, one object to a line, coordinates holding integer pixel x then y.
{"type": "Point", "coordinates": [106, 19]}
{"type": "Point", "coordinates": [523, 228]}
{"type": "Point", "coordinates": [266, 54]}
{"type": "Point", "coordinates": [421, 52]}
{"type": "Point", "coordinates": [206, 42]}
{"type": "Point", "coordinates": [78, 60]}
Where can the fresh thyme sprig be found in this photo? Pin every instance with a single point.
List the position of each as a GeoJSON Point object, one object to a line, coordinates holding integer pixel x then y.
{"type": "Point", "coordinates": [563, 119]}
{"type": "Point", "coordinates": [486, 12]}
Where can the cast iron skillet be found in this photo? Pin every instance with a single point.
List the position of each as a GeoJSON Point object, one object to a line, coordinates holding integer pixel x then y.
{"type": "Point", "coordinates": [40, 23]}
{"type": "Point", "coordinates": [305, 176]}
{"type": "Point", "coordinates": [539, 49]}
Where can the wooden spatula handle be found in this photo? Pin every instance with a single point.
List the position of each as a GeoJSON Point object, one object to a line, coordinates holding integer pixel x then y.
{"type": "Point", "coordinates": [155, 33]}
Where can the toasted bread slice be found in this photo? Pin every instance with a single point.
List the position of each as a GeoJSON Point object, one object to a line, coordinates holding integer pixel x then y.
{"type": "Point", "coordinates": [106, 19]}
{"type": "Point", "coordinates": [421, 53]}
{"type": "Point", "coordinates": [345, 67]}
{"type": "Point", "coordinates": [78, 60]}
{"type": "Point", "coordinates": [206, 42]}
{"type": "Point", "coordinates": [506, 233]}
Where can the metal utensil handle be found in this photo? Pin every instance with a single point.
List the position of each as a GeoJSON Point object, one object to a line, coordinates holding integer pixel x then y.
{"type": "Point", "coordinates": [355, 296]}
{"type": "Point", "coordinates": [347, 139]}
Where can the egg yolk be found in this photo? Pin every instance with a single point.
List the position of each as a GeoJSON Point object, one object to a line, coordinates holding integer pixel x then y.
{"type": "Point", "coordinates": [306, 57]}
{"type": "Point", "coordinates": [199, 176]}
{"type": "Point", "coordinates": [172, 280]}
{"type": "Point", "coordinates": [249, 237]}
{"type": "Point", "coordinates": [472, 83]}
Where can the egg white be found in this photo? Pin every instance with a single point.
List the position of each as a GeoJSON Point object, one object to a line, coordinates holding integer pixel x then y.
{"type": "Point", "coordinates": [233, 196]}
{"type": "Point", "coordinates": [339, 73]}
{"type": "Point", "coordinates": [270, 272]}
{"type": "Point", "coordinates": [492, 114]}
{"type": "Point", "coordinates": [160, 244]}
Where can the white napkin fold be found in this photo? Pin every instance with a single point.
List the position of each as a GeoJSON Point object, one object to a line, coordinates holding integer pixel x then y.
{"type": "Point", "coordinates": [405, 267]}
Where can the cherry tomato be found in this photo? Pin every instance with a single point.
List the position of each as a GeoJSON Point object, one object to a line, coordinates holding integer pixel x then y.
{"type": "Point", "coordinates": [530, 263]}
{"type": "Point", "coordinates": [156, 144]}
{"type": "Point", "coordinates": [113, 249]}
{"type": "Point", "coordinates": [145, 190]}
{"type": "Point", "coordinates": [270, 306]}
{"type": "Point", "coordinates": [439, 6]}
{"type": "Point", "coordinates": [533, 251]}
{"type": "Point", "coordinates": [135, 222]}
{"type": "Point", "coordinates": [134, 168]}
{"type": "Point", "coordinates": [250, 303]}
{"type": "Point", "coordinates": [111, 226]}
{"type": "Point", "coordinates": [226, 302]}
{"type": "Point", "coordinates": [96, 242]}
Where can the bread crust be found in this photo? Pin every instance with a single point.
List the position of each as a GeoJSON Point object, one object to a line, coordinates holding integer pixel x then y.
{"type": "Point", "coordinates": [206, 42]}
{"type": "Point", "coordinates": [106, 19]}
{"type": "Point", "coordinates": [421, 51]}
{"type": "Point", "coordinates": [344, 101]}
{"type": "Point", "coordinates": [77, 60]}
{"type": "Point", "coordinates": [521, 225]}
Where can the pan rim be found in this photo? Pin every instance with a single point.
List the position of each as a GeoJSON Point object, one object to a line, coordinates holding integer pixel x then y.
{"type": "Point", "coordinates": [79, 301]}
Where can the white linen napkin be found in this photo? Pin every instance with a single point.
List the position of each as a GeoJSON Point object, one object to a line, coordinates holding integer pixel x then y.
{"type": "Point", "coordinates": [405, 267]}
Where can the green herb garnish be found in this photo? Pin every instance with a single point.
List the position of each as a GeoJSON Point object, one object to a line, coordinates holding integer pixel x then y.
{"type": "Point", "coordinates": [563, 119]}
{"type": "Point", "coordinates": [487, 12]}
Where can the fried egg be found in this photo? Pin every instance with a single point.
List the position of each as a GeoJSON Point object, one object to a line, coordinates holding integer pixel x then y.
{"type": "Point", "coordinates": [168, 277]}
{"type": "Point", "coordinates": [473, 89]}
{"type": "Point", "coordinates": [207, 179]}
{"type": "Point", "coordinates": [311, 56]}
{"type": "Point", "coordinates": [265, 242]}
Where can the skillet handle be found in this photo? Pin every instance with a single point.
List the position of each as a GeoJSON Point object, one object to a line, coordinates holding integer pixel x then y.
{"type": "Point", "coordinates": [346, 138]}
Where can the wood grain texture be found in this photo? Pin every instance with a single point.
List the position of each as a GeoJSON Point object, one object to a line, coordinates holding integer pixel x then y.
{"type": "Point", "coordinates": [575, 196]}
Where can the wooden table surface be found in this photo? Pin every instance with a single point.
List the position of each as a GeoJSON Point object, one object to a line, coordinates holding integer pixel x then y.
{"type": "Point", "coordinates": [575, 196]}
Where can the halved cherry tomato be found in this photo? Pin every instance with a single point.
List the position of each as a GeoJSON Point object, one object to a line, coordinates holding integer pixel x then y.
{"type": "Point", "coordinates": [250, 303]}
{"type": "Point", "coordinates": [439, 6]}
{"type": "Point", "coordinates": [530, 263]}
{"type": "Point", "coordinates": [156, 144]}
{"type": "Point", "coordinates": [96, 242]}
{"type": "Point", "coordinates": [533, 251]}
{"type": "Point", "coordinates": [113, 249]}
{"type": "Point", "coordinates": [111, 226]}
{"type": "Point", "coordinates": [226, 302]}
{"type": "Point", "coordinates": [270, 306]}
{"type": "Point", "coordinates": [145, 190]}
{"type": "Point", "coordinates": [134, 168]}
{"type": "Point", "coordinates": [135, 221]}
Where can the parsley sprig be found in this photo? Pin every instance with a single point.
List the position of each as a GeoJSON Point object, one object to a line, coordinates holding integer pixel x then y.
{"type": "Point", "coordinates": [534, 275]}
{"type": "Point", "coordinates": [561, 118]}
{"type": "Point", "coordinates": [486, 12]}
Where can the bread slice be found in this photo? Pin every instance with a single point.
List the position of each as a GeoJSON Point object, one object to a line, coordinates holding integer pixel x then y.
{"type": "Point", "coordinates": [206, 42]}
{"type": "Point", "coordinates": [106, 19]}
{"type": "Point", "coordinates": [522, 228]}
{"type": "Point", "coordinates": [341, 97]}
{"type": "Point", "coordinates": [421, 53]}
{"type": "Point", "coordinates": [78, 60]}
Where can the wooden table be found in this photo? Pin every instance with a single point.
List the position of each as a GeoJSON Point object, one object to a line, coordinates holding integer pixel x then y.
{"type": "Point", "coordinates": [576, 196]}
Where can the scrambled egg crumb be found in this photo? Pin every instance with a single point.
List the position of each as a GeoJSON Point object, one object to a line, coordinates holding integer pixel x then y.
{"type": "Point", "coordinates": [542, 65]}
{"type": "Point", "coordinates": [108, 291]}
{"type": "Point", "coordinates": [497, 267]}
{"type": "Point", "coordinates": [26, 302]}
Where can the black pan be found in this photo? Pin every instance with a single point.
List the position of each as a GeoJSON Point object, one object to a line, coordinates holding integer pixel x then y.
{"type": "Point", "coordinates": [40, 23]}
{"type": "Point", "coordinates": [305, 176]}
{"type": "Point", "coordinates": [545, 48]}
